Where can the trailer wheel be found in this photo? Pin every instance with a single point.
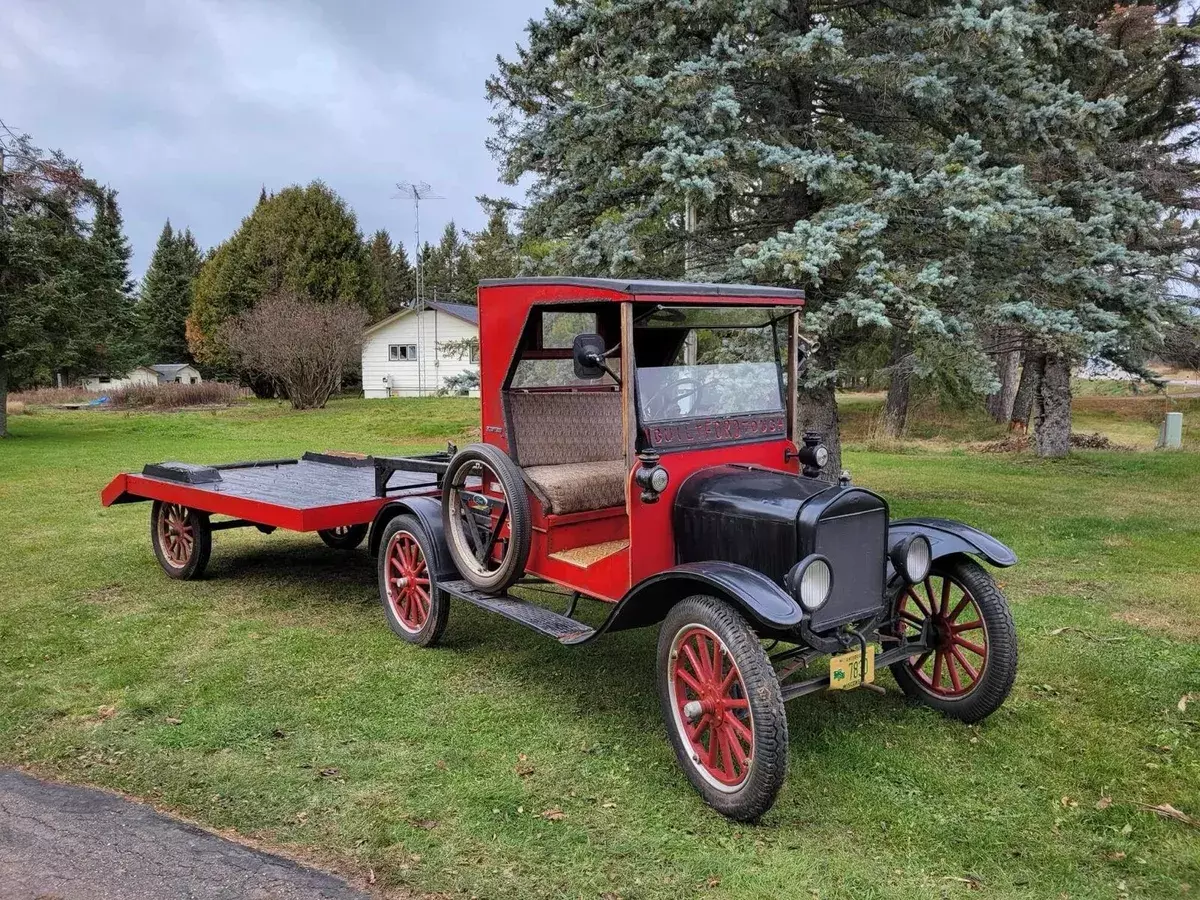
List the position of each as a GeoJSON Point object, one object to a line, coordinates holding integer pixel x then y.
{"type": "Point", "coordinates": [971, 667]}
{"type": "Point", "coordinates": [182, 539]}
{"type": "Point", "coordinates": [485, 509]}
{"type": "Point", "coordinates": [723, 707]}
{"type": "Point", "coordinates": [416, 610]}
{"type": "Point", "coordinates": [343, 537]}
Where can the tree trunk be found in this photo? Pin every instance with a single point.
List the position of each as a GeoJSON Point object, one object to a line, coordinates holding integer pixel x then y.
{"type": "Point", "coordinates": [1000, 404]}
{"type": "Point", "coordinates": [817, 411]}
{"type": "Point", "coordinates": [1027, 391]}
{"type": "Point", "coordinates": [263, 386]}
{"type": "Point", "coordinates": [1054, 424]}
{"type": "Point", "coordinates": [895, 408]}
{"type": "Point", "coordinates": [3, 402]}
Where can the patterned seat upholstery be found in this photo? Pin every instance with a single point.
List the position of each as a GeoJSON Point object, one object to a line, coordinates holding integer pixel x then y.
{"type": "Point", "coordinates": [571, 448]}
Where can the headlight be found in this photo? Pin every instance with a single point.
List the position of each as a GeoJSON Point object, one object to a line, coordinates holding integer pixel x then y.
{"type": "Point", "coordinates": [811, 582]}
{"type": "Point", "coordinates": [913, 557]}
{"type": "Point", "coordinates": [822, 456]}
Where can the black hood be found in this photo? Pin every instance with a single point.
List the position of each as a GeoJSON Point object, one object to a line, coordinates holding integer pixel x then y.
{"type": "Point", "coordinates": [768, 521]}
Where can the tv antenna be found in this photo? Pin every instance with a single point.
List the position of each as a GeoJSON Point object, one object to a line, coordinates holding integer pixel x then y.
{"type": "Point", "coordinates": [416, 191]}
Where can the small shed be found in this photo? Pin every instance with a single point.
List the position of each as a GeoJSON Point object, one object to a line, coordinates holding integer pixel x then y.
{"type": "Point", "coordinates": [411, 353]}
{"type": "Point", "coordinates": [163, 373]}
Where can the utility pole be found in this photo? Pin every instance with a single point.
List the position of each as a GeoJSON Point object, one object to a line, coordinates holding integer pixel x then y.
{"type": "Point", "coordinates": [416, 191]}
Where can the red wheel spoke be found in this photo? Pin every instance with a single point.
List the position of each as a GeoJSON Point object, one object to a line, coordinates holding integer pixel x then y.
{"type": "Point", "coordinates": [737, 703]}
{"type": "Point", "coordinates": [967, 626]}
{"type": "Point", "coordinates": [958, 610]}
{"type": "Point", "coordinates": [686, 677]}
{"type": "Point", "coordinates": [937, 669]}
{"type": "Point", "coordinates": [929, 593]}
{"type": "Point", "coordinates": [695, 730]}
{"type": "Point", "coordinates": [921, 660]}
{"type": "Point", "coordinates": [967, 667]}
{"type": "Point", "coordinates": [691, 657]}
{"type": "Point", "coordinates": [974, 648]}
{"type": "Point", "coordinates": [917, 600]}
{"type": "Point", "coordinates": [738, 727]}
{"type": "Point", "coordinates": [954, 679]}
{"type": "Point", "coordinates": [945, 596]}
{"type": "Point", "coordinates": [906, 615]}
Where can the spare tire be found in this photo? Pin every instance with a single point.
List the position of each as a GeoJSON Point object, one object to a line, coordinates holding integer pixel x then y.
{"type": "Point", "coordinates": [485, 510]}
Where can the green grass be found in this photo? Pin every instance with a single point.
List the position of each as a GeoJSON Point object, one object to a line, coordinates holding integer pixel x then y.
{"type": "Point", "coordinates": [439, 763]}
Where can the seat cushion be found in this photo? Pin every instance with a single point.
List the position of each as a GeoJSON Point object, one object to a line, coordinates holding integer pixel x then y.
{"type": "Point", "coordinates": [575, 487]}
{"type": "Point", "coordinates": [552, 428]}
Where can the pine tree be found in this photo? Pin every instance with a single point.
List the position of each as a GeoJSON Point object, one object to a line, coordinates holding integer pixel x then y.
{"type": "Point", "coordinates": [495, 247]}
{"type": "Point", "coordinates": [451, 273]}
{"type": "Point", "coordinates": [924, 168]}
{"type": "Point", "coordinates": [166, 297]}
{"type": "Point", "coordinates": [406, 278]}
{"type": "Point", "coordinates": [390, 274]}
{"type": "Point", "coordinates": [106, 335]}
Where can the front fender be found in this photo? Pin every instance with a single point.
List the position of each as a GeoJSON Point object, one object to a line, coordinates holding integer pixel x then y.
{"type": "Point", "coordinates": [760, 599]}
{"type": "Point", "coordinates": [428, 511]}
{"type": "Point", "coordinates": [947, 537]}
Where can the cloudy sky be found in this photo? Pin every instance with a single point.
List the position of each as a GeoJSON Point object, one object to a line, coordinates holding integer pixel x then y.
{"type": "Point", "coordinates": [187, 107]}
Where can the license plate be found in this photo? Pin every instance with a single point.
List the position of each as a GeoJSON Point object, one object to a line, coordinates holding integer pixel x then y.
{"type": "Point", "coordinates": [846, 670]}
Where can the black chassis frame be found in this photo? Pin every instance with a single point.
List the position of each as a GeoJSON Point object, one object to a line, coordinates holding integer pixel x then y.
{"type": "Point", "coordinates": [773, 613]}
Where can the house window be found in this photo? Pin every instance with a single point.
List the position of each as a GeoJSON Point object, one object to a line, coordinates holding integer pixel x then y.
{"type": "Point", "coordinates": [192, 381]}
{"type": "Point", "coordinates": [402, 352]}
{"type": "Point", "coordinates": [104, 379]}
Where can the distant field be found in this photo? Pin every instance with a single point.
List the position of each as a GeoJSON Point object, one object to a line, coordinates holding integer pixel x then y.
{"type": "Point", "coordinates": [272, 700]}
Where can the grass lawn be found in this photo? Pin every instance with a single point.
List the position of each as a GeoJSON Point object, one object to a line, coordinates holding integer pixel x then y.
{"type": "Point", "coordinates": [271, 699]}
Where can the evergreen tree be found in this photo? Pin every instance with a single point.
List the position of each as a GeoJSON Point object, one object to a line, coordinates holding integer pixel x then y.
{"type": "Point", "coordinates": [922, 167]}
{"type": "Point", "coordinates": [166, 297]}
{"type": "Point", "coordinates": [390, 273]}
{"type": "Point", "coordinates": [107, 336]}
{"type": "Point", "coordinates": [495, 247]}
{"type": "Point", "coordinates": [406, 278]}
{"type": "Point", "coordinates": [451, 272]}
{"type": "Point", "coordinates": [301, 240]}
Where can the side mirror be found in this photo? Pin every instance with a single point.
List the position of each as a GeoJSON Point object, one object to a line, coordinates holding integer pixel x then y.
{"type": "Point", "coordinates": [587, 351]}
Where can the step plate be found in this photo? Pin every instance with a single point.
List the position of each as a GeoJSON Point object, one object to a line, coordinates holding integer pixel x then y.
{"type": "Point", "coordinates": [540, 619]}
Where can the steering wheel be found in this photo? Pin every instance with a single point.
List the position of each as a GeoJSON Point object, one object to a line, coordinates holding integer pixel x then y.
{"type": "Point", "coordinates": [664, 402]}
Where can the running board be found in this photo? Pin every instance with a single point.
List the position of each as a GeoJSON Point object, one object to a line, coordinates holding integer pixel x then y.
{"type": "Point", "coordinates": [563, 629]}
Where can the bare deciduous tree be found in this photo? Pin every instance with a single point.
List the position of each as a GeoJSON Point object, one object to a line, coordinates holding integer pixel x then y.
{"type": "Point", "coordinates": [304, 346]}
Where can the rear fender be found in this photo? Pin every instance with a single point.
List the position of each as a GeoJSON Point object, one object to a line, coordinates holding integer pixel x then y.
{"type": "Point", "coordinates": [770, 609]}
{"type": "Point", "coordinates": [947, 537]}
{"type": "Point", "coordinates": [428, 511]}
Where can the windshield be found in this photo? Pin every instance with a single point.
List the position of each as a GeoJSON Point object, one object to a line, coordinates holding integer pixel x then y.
{"type": "Point", "coordinates": [704, 372]}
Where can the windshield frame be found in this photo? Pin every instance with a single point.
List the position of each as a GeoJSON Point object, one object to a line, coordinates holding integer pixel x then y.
{"type": "Point", "coordinates": [687, 431]}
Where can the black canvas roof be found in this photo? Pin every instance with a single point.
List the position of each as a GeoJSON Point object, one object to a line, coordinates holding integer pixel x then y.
{"type": "Point", "coordinates": [652, 288]}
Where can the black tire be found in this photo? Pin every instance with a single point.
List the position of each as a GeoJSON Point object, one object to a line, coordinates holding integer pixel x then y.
{"type": "Point", "coordinates": [345, 537]}
{"type": "Point", "coordinates": [426, 629]}
{"type": "Point", "coordinates": [487, 575]}
{"type": "Point", "coordinates": [946, 689]}
{"type": "Point", "coordinates": [745, 794]}
{"type": "Point", "coordinates": [182, 539]}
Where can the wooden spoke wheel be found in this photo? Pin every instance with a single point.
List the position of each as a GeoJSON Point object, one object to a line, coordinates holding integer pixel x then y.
{"type": "Point", "coordinates": [722, 706]}
{"type": "Point", "coordinates": [343, 537]}
{"type": "Point", "coordinates": [485, 510]}
{"type": "Point", "coordinates": [970, 662]}
{"type": "Point", "coordinates": [416, 610]}
{"type": "Point", "coordinates": [182, 539]}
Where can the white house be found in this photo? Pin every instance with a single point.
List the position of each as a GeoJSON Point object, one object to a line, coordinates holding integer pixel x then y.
{"type": "Point", "coordinates": [405, 355]}
{"type": "Point", "coordinates": [147, 375]}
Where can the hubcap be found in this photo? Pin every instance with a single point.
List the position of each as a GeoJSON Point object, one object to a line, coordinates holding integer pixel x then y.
{"type": "Point", "coordinates": [711, 712]}
{"type": "Point", "coordinates": [407, 582]}
{"type": "Point", "coordinates": [480, 529]}
{"type": "Point", "coordinates": [176, 536]}
{"type": "Point", "coordinates": [957, 633]}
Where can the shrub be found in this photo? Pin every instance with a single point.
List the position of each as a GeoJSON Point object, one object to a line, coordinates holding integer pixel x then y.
{"type": "Point", "coordinates": [304, 346]}
{"type": "Point", "coordinates": [174, 395]}
{"type": "Point", "coordinates": [459, 385]}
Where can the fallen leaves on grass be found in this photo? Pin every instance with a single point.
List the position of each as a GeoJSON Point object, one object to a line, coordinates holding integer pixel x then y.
{"type": "Point", "coordinates": [1167, 811]}
{"type": "Point", "coordinates": [423, 824]}
{"type": "Point", "coordinates": [105, 713]}
{"type": "Point", "coordinates": [1087, 634]}
{"type": "Point", "coordinates": [174, 720]}
{"type": "Point", "coordinates": [974, 882]}
{"type": "Point", "coordinates": [524, 767]}
{"type": "Point", "coordinates": [1182, 705]}
{"type": "Point", "coordinates": [331, 772]}
{"type": "Point", "coordinates": [1104, 803]}
{"type": "Point", "coordinates": [554, 815]}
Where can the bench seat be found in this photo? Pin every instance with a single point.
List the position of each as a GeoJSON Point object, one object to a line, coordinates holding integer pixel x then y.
{"type": "Point", "coordinates": [579, 486]}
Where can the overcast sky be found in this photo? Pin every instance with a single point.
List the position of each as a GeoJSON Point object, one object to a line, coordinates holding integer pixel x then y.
{"type": "Point", "coordinates": [187, 107]}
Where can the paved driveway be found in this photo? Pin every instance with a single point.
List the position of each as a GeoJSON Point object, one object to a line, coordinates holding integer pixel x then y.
{"type": "Point", "coordinates": [59, 842]}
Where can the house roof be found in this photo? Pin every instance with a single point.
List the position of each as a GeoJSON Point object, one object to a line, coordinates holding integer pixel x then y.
{"type": "Point", "coordinates": [168, 369]}
{"type": "Point", "coordinates": [464, 311]}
